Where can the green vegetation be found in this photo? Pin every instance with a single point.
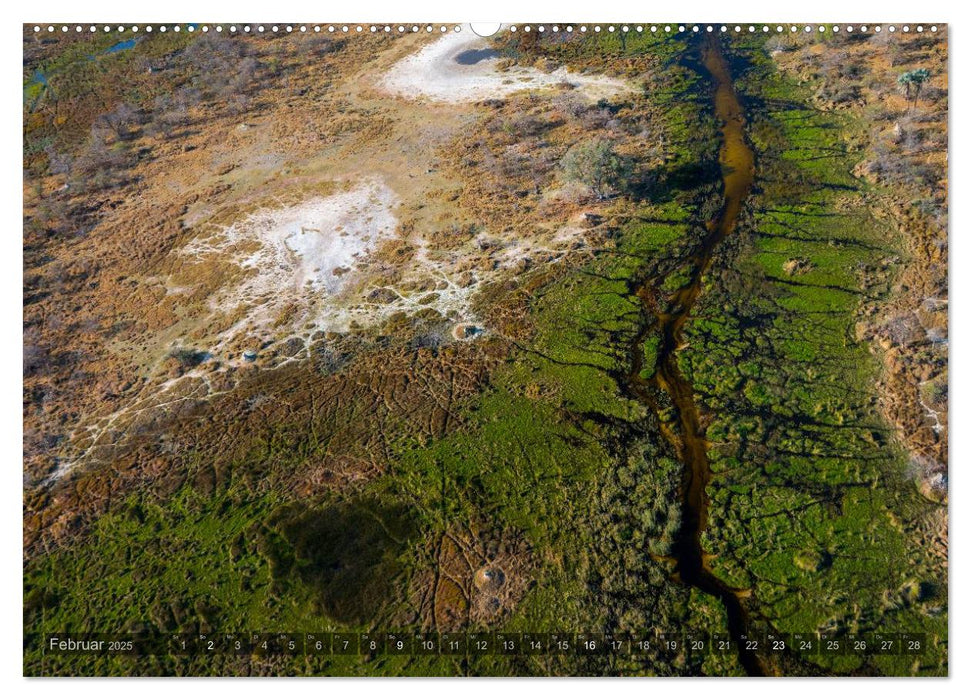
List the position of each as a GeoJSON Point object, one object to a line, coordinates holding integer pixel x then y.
{"type": "Point", "coordinates": [810, 502]}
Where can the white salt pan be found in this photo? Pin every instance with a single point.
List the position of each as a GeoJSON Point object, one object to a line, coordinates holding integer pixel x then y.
{"type": "Point", "coordinates": [460, 68]}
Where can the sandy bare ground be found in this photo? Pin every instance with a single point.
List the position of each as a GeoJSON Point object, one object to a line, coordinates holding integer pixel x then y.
{"type": "Point", "coordinates": [460, 67]}
{"type": "Point", "coordinates": [316, 266]}
{"type": "Point", "coordinates": [305, 257]}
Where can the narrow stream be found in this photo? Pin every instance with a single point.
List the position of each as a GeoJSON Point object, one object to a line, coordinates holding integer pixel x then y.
{"type": "Point", "coordinates": [738, 172]}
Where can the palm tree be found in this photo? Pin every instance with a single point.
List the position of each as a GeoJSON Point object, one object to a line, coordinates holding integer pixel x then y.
{"type": "Point", "coordinates": [914, 79]}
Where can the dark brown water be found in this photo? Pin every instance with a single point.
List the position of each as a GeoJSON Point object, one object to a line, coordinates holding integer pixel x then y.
{"type": "Point", "coordinates": [688, 435]}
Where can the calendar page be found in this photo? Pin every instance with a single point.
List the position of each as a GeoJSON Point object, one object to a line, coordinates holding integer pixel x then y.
{"type": "Point", "coordinates": [449, 349]}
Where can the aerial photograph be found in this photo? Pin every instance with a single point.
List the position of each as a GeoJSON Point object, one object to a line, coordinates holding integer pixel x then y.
{"type": "Point", "coordinates": [561, 349]}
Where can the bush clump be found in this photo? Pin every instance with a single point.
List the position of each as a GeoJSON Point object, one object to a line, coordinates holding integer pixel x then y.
{"type": "Point", "coordinates": [595, 164]}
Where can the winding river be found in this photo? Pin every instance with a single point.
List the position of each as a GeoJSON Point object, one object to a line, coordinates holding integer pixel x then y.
{"type": "Point", "coordinates": [688, 435]}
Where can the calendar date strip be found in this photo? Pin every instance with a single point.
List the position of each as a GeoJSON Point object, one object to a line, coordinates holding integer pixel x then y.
{"type": "Point", "coordinates": [478, 644]}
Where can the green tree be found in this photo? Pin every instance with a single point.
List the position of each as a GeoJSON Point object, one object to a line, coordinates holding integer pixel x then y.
{"type": "Point", "coordinates": [912, 81]}
{"type": "Point", "coordinates": [594, 163]}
